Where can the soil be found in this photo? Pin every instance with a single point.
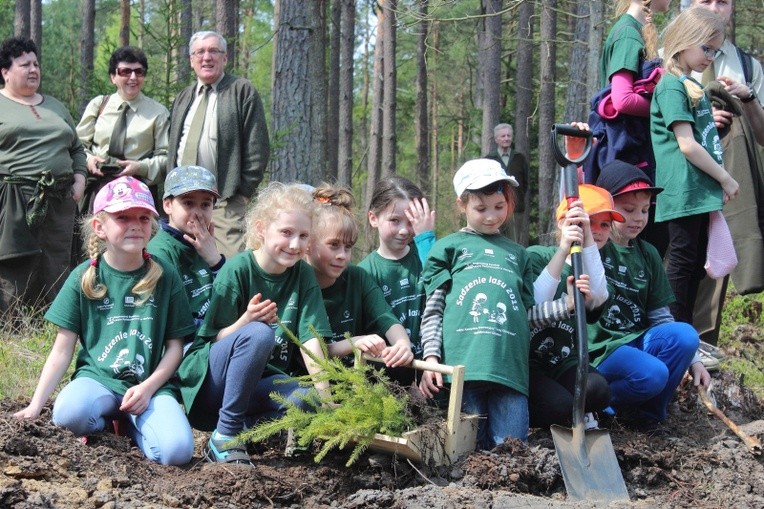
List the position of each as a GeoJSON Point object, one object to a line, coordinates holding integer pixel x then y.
{"type": "Point", "coordinates": [697, 462]}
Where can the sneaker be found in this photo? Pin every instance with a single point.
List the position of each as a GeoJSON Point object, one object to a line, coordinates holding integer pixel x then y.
{"type": "Point", "coordinates": [711, 350]}
{"type": "Point", "coordinates": [710, 362]}
{"type": "Point", "coordinates": [590, 421]}
{"type": "Point", "coordinates": [223, 449]}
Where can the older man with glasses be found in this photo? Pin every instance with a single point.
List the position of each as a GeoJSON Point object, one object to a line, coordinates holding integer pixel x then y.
{"type": "Point", "coordinates": [124, 133]}
{"type": "Point", "coordinates": [219, 123]}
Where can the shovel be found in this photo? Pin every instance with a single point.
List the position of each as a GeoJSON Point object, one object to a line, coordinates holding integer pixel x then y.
{"type": "Point", "coordinates": [589, 467]}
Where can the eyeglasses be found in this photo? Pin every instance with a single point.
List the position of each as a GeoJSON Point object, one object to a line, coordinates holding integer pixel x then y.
{"type": "Point", "coordinates": [710, 52]}
{"type": "Point", "coordinates": [213, 52]}
{"type": "Point", "coordinates": [126, 72]}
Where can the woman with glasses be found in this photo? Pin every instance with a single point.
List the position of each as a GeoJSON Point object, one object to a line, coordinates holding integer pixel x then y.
{"type": "Point", "coordinates": [42, 174]}
{"type": "Point", "coordinates": [124, 133]}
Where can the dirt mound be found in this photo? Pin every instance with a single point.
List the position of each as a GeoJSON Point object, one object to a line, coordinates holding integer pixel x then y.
{"type": "Point", "coordinates": [697, 463]}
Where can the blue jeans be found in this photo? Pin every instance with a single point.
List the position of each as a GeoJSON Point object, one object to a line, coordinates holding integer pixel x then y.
{"type": "Point", "coordinates": [236, 364]}
{"type": "Point", "coordinates": [162, 432]}
{"type": "Point", "coordinates": [503, 412]}
{"type": "Point", "coordinates": [645, 373]}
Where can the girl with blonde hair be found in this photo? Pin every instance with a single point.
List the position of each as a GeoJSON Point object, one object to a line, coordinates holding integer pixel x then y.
{"type": "Point", "coordinates": [689, 153]}
{"type": "Point", "coordinates": [130, 313]}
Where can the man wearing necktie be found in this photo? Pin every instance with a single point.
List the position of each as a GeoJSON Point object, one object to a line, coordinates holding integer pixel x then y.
{"type": "Point", "coordinates": [744, 216]}
{"type": "Point", "coordinates": [515, 165]}
{"type": "Point", "coordinates": [219, 123]}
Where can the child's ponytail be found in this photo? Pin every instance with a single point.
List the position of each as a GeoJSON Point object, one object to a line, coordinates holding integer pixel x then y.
{"type": "Point", "coordinates": [649, 33]}
{"type": "Point", "coordinates": [145, 287]}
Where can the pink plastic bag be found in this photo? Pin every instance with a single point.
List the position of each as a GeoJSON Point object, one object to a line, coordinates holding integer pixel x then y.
{"type": "Point", "coordinates": [721, 258]}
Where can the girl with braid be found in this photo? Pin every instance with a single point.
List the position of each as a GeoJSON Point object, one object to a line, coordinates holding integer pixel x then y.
{"type": "Point", "coordinates": [130, 313]}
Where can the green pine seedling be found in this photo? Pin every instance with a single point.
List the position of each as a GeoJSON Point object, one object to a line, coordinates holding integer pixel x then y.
{"type": "Point", "coordinates": [362, 403]}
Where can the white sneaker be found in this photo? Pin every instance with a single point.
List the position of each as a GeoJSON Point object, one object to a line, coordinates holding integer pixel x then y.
{"type": "Point", "coordinates": [590, 421]}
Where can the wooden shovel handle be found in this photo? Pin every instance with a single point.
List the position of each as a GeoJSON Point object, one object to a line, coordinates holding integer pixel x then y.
{"type": "Point", "coordinates": [753, 443]}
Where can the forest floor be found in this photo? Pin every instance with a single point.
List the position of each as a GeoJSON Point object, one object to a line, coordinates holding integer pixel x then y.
{"type": "Point", "coordinates": [698, 463]}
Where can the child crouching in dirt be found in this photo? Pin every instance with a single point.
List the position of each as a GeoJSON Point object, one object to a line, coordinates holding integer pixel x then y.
{"type": "Point", "coordinates": [479, 288]}
{"type": "Point", "coordinates": [636, 345]}
{"type": "Point", "coordinates": [130, 313]}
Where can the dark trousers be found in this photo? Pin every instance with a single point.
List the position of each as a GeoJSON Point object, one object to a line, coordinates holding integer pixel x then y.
{"type": "Point", "coordinates": [687, 255]}
{"type": "Point", "coordinates": [550, 401]}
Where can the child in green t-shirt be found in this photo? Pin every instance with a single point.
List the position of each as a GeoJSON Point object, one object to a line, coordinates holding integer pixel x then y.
{"type": "Point", "coordinates": [268, 282]}
{"type": "Point", "coordinates": [400, 214]}
{"type": "Point", "coordinates": [130, 313]}
{"type": "Point", "coordinates": [354, 302]}
{"type": "Point", "coordinates": [217, 377]}
{"type": "Point", "coordinates": [688, 152]}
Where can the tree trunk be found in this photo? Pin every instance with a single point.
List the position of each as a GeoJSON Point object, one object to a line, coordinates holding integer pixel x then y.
{"type": "Point", "coordinates": [547, 164]}
{"type": "Point", "coordinates": [35, 24]}
{"type": "Point", "coordinates": [374, 163]}
{"type": "Point", "coordinates": [422, 126]}
{"type": "Point", "coordinates": [596, 33]}
{"type": "Point", "coordinates": [142, 21]}
{"type": "Point", "coordinates": [299, 93]}
{"type": "Point", "coordinates": [124, 22]}
{"type": "Point", "coordinates": [434, 196]}
{"type": "Point", "coordinates": [389, 104]}
{"type": "Point", "coordinates": [524, 101]}
{"type": "Point", "coordinates": [347, 49]}
{"type": "Point", "coordinates": [333, 106]}
{"type": "Point", "coordinates": [227, 23]}
{"type": "Point", "coordinates": [86, 52]}
{"type": "Point", "coordinates": [22, 20]}
{"type": "Point", "coordinates": [186, 17]}
{"type": "Point", "coordinates": [489, 65]}
{"type": "Point", "coordinates": [577, 100]}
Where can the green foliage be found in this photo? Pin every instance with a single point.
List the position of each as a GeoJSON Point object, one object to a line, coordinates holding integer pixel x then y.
{"type": "Point", "coordinates": [742, 337]}
{"type": "Point", "coordinates": [361, 404]}
{"type": "Point", "coordinates": [24, 345]}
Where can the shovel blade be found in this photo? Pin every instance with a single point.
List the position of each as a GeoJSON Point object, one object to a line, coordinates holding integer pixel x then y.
{"type": "Point", "coordinates": [590, 469]}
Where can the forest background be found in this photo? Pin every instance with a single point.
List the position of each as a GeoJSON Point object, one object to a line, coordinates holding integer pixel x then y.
{"type": "Point", "coordinates": [357, 90]}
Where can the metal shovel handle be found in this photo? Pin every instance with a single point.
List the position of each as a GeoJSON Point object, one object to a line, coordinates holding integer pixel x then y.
{"type": "Point", "coordinates": [569, 130]}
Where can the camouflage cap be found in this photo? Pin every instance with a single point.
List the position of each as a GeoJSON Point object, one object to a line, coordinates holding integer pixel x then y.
{"type": "Point", "coordinates": [185, 179]}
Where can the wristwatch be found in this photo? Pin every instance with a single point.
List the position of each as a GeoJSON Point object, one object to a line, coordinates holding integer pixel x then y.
{"type": "Point", "coordinates": [750, 97]}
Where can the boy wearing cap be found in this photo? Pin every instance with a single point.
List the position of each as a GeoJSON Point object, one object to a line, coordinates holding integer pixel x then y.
{"type": "Point", "coordinates": [636, 344]}
{"type": "Point", "coordinates": [553, 357]}
{"type": "Point", "coordinates": [479, 287]}
{"type": "Point", "coordinates": [215, 376]}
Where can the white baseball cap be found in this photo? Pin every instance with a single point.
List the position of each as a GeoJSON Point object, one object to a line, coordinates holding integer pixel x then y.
{"type": "Point", "coordinates": [480, 173]}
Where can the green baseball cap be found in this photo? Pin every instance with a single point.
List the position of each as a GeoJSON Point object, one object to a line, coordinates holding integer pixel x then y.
{"type": "Point", "coordinates": [185, 179]}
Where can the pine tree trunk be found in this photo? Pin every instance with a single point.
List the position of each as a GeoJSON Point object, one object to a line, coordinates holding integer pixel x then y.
{"type": "Point", "coordinates": [374, 163]}
{"type": "Point", "coordinates": [333, 105]}
{"type": "Point", "coordinates": [547, 164]}
{"type": "Point", "coordinates": [86, 52]}
{"type": "Point", "coordinates": [422, 120]}
{"type": "Point", "coordinates": [577, 100]}
{"type": "Point", "coordinates": [389, 104]}
{"type": "Point", "coordinates": [524, 102]}
{"type": "Point", "coordinates": [299, 93]}
{"type": "Point", "coordinates": [124, 22]}
{"type": "Point", "coordinates": [227, 23]}
{"type": "Point", "coordinates": [596, 40]}
{"type": "Point", "coordinates": [35, 24]}
{"type": "Point", "coordinates": [434, 171]}
{"type": "Point", "coordinates": [22, 19]}
{"type": "Point", "coordinates": [489, 65]}
{"type": "Point", "coordinates": [347, 49]}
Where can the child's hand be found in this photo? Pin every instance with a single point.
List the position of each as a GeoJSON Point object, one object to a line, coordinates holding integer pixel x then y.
{"type": "Point", "coordinates": [399, 354]}
{"type": "Point", "coordinates": [29, 412]}
{"type": "Point", "coordinates": [431, 382]}
{"type": "Point", "coordinates": [265, 311]}
{"type": "Point", "coordinates": [202, 237]}
{"type": "Point", "coordinates": [581, 284]}
{"type": "Point", "coordinates": [572, 230]}
{"type": "Point", "coordinates": [731, 189]}
{"type": "Point", "coordinates": [421, 217]}
{"type": "Point", "coordinates": [372, 344]}
{"type": "Point", "coordinates": [700, 375]}
{"type": "Point", "coordinates": [574, 145]}
{"type": "Point", "coordinates": [136, 400]}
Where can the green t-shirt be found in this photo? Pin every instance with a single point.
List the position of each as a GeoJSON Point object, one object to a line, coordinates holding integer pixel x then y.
{"type": "Point", "coordinates": [489, 288]}
{"type": "Point", "coordinates": [553, 348]}
{"type": "Point", "coordinates": [687, 190]}
{"type": "Point", "coordinates": [637, 284]}
{"type": "Point", "coordinates": [624, 48]}
{"type": "Point", "coordinates": [122, 343]}
{"type": "Point", "coordinates": [295, 292]}
{"type": "Point", "coordinates": [402, 287]}
{"type": "Point", "coordinates": [194, 271]}
{"type": "Point", "coordinates": [355, 305]}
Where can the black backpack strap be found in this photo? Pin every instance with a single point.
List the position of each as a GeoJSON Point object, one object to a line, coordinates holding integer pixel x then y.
{"type": "Point", "coordinates": [746, 60]}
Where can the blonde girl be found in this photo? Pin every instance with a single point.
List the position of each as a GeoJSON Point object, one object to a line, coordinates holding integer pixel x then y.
{"type": "Point", "coordinates": [353, 300]}
{"type": "Point", "coordinates": [266, 282]}
{"type": "Point", "coordinates": [688, 150]}
{"type": "Point", "coordinates": [405, 225]}
{"type": "Point", "coordinates": [130, 313]}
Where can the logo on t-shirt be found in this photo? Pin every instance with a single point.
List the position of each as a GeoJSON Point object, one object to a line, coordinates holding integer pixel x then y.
{"type": "Point", "coordinates": [404, 282]}
{"type": "Point", "coordinates": [105, 305]}
{"type": "Point", "coordinates": [488, 251]}
{"type": "Point", "coordinates": [465, 254]}
{"type": "Point", "coordinates": [129, 301]}
{"type": "Point", "coordinates": [386, 290]}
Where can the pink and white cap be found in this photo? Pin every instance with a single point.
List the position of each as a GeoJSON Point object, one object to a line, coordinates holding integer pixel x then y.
{"type": "Point", "coordinates": [122, 194]}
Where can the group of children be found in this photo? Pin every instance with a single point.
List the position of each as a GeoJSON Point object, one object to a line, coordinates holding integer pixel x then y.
{"type": "Point", "coordinates": [473, 298]}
